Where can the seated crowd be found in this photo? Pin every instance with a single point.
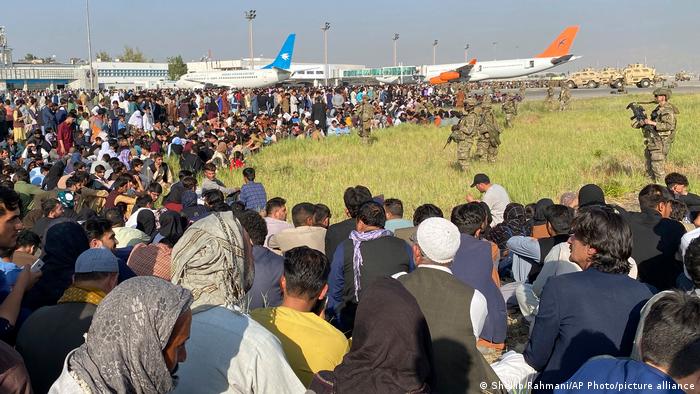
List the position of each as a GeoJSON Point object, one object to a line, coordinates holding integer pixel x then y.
{"type": "Point", "coordinates": [155, 293]}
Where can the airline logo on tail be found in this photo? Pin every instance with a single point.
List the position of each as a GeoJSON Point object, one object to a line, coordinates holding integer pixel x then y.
{"type": "Point", "coordinates": [284, 57]}
{"type": "Point", "coordinates": [561, 45]}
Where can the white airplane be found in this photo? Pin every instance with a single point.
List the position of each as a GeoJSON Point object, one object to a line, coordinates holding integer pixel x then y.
{"type": "Point", "coordinates": [556, 54]}
{"type": "Point", "coordinates": [275, 72]}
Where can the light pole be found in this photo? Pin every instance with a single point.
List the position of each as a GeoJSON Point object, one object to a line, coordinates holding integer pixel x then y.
{"type": "Point", "coordinates": [92, 71]}
{"type": "Point", "coordinates": [325, 28]}
{"type": "Point", "coordinates": [466, 49]}
{"type": "Point", "coordinates": [396, 40]}
{"type": "Point", "coordinates": [250, 15]}
{"type": "Point", "coordinates": [435, 44]}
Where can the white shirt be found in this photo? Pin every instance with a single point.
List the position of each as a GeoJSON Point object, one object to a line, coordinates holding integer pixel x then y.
{"type": "Point", "coordinates": [478, 310]}
{"type": "Point", "coordinates": [686, 239]}
{"type": "Point", "coordinates": [496, 197]}
{"type": "Point", "coordinates": [228, 352]}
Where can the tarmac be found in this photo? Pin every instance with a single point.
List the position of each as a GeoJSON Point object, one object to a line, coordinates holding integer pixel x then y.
{"type": "Point", "coordinates": [687, 87]}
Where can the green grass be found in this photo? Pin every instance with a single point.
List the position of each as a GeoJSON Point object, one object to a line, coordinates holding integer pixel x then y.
{"type": "Point", "coordinates": [544, 155]}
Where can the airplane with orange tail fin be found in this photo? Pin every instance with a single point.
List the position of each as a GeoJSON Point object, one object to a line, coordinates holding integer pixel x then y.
{"type": "Point", "coordinates": [556, 54]}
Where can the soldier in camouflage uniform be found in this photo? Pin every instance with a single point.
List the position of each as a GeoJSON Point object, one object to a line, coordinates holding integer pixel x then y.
{"type": "Point", "coordinates": [466, 133]}
{"type": "Point", "coordinates": [658, 143]}
{"type": "Point", "coordinates": [510, 109]}
{"type": "Point", "coordinates": [549, 98]}
{"type": "Point", "coordinates": [489, 134]}
{"type": "Point", "coordinates": [521, 91]}
{"type": "Point", "coordinates": [366, 113]}
{"type": "Point", "coordinates": [564, 98]}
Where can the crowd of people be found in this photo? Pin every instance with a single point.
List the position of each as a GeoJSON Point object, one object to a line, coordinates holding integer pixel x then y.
{"type": "Point", "coordinates": [120, 276]}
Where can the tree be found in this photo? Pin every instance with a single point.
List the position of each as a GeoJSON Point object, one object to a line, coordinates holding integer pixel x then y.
{"type": "Point", "coordinates": [132, 55]}
{"type": "Point", "coordinates": [103, 56]}
{"type": "Point", "coordinates": [29, 57]}
{"type": "Point", "coordinates": [176, 68]}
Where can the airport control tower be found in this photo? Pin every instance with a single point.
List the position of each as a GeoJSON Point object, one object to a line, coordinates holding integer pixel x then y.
{"type": "Point", "coordinates": [5, 51]}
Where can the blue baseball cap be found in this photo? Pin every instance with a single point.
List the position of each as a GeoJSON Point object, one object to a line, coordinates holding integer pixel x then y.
{"type": "Point", "coordinates": [96, 260]}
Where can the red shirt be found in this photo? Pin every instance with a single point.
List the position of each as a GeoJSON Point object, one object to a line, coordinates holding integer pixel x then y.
{"type": "Point", "coordinates": [65, 134]}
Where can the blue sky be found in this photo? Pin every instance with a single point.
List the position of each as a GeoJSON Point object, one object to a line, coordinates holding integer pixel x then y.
{"type": "Point", "coordinates": [613, 32]}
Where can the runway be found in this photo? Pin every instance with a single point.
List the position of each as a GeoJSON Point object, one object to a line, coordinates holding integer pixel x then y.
{"type": "Point", "coordinates": [687, 87]}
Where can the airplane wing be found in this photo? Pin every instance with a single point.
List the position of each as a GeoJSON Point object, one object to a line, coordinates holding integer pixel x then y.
{"type": "Point", "coordinates": [461, 73]}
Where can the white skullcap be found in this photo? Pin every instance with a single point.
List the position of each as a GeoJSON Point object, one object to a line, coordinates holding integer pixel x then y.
{"type": "Point", "coordinates": [439, 239]}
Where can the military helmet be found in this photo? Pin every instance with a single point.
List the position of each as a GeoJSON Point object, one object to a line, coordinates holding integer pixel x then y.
{"type": "Point", "coordinates": [471, 101]}
{"type": "Point", "coordinates": [663, 92]}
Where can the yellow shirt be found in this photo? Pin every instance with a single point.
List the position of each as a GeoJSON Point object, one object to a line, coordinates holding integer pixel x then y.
{"type": "Point", "coordinates": [310, 343]}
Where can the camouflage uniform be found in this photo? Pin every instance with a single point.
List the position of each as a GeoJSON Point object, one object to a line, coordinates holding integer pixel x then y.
{"type": "Point", "coordinates": [510, 110]}
{"type": "Point", "coordinates": [489, 134]}
{"type": "Point", "coordinates": [564, 98]}
{"type": "Point", "coordinates": [549, 99]}
{"type": "Point", "coordinates": [521, 90]}
{"type": "Point", "coordinates": [466, 134]}
{"type": "Point", "coordinates": [658, 143]}
{"type": "Point", "coordinates": [366, 114]}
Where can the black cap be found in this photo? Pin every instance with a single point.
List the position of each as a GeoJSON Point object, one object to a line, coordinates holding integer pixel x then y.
{"type": "Point", "coordinates": [591, 194]}
{"type": "Point", "coordinates": [480, 178]}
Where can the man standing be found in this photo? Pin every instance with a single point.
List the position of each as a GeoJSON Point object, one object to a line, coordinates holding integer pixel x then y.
{"type": "Point", "coordinates": [454, 311]}
{"type": "Point", "coordinates": [65, 135]}
{"type": "Point", "coordinates": [658, 141]}
{"type": "Point", "coordinates": [494, 195]}
{"type": "Point", "coordinates": [467, 133]}
{"type": "Point", "coordinates": [489, 134]}
{"type": "Point", "coordinates": [564, 97]}
{"type": "Point", "coordinates": [366, 113]}
{"type": "Point", "coordinates": [318, 113]}
{"type": "Point", "coordinates": [549, 98]}
{"type": "Point", "coordinates": [510, 110]}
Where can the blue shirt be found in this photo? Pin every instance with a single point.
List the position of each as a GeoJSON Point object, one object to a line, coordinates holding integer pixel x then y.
{"type": "Point", "coordinates": [613, 375]}
{"type": "Point", "coordinates": [253, 196]}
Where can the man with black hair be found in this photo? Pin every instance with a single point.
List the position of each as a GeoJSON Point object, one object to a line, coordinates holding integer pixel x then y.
{"type": "Point", "coordinates": [26, 190]}
{"type": "Point", "coordinates": [125, 236]}
{"type": "Point", "coordinates": [265, 291]}
{"type": "Point", "coordinates": [210, 182]}
{"type": "Point", "coordinates": [253, 194]}
{"type": "Point", "coordinates": [670, 353]}
{"type": "Point", "coordinates": [304, 233]}
{"type": "Point", "coordinates": [353, 198]}
{"type": "Point", "coordinates": [678, 185]}
{"type": "Point", "coordinates": [473, 266]}
{"type": "Point", "coordinates": [656, 238]}
{"type": "Point", "coordinates": [370, 252]}
{"type": "Point", "coordinates": [589, 313]}
{"type": "Point", "coordinates": [28, 244]}
{"type": "Point", "coordinates": [421, 213]}
{"type": "Point", "coordinates": [100, 234]}
{"type": "Point", "coordinates": [394, 215]}
{"type": "Point", "coordinates": [64, 135]}
{"type": "Point", "coordinates": [276, 217]}
{"type": "Point", "coordinates": [51, 209]}
{"type": "Point", "coordinates": [310, 343]}
{"type": "Point", "coordinates": [322, 217]}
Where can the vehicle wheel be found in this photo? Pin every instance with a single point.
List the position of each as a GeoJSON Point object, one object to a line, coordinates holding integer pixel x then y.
{"type": "Point", "coordinates": [592, 84]}
{"type": "Point", "coordinates": [644, 83]}
{"type": "Point", "coordinates": [571, 84]}
{"type": "Point", "coordinates": [616, 84]}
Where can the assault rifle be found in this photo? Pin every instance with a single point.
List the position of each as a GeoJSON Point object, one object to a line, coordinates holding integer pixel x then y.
{"type": "Point", "coordinates": [640, 116]}
{"type": "Point", "coordinates": [450, 139]}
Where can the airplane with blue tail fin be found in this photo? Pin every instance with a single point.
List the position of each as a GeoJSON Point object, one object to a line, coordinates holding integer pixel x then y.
{"type": "Point", "coordinates": [271, 74]}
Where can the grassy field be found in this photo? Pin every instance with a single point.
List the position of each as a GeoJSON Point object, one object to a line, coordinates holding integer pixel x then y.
{"type": "Point", "coordinates": [544, 155]}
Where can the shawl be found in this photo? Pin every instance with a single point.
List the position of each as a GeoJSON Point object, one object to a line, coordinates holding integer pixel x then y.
{"type": "Point", "coordinates": [123, 350]}
{"type": "Point", "coordinates": [386, 357]}
{"type": "Point", "coordinates": [357, 239]}
{"type": "Point", "coordinates": [213, 259]}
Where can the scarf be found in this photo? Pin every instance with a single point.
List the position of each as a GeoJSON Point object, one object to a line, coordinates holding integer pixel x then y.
{"type": "Point", "coordinates": [210, 260]}
{"type": "Point", "coordinates": [79, 294]}
{"type": "Point", "coordinates": [357, 239]}
{"type": "Point", "coordinates": [123, 350]}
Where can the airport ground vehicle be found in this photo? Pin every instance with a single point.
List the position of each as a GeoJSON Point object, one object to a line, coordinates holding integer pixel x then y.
{"type": "Point", "coordinates": [637, 74]}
